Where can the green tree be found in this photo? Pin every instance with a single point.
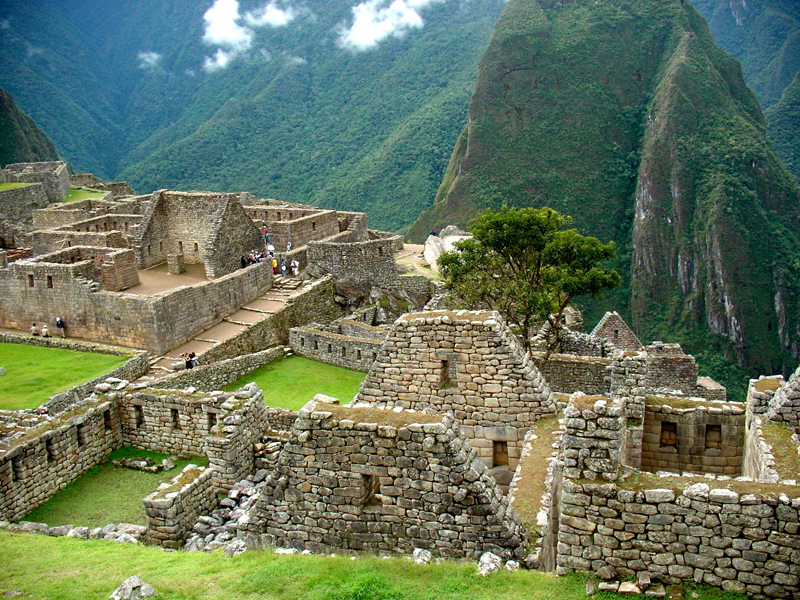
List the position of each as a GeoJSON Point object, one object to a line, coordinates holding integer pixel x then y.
{"type": "Point", "coordinates": [526, 265]}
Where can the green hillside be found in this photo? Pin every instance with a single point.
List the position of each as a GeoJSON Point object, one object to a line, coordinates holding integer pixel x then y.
{"type": "Point", "coordinates": [783, 126]}
{"type": "Point", "coordinates": [628, 117]}
{"type": "Point", "coordinates": [123, 91]}
{"type": "Point", "coordinates": [20, 139]}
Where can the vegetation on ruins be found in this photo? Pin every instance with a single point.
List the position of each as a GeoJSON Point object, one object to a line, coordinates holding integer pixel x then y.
{"type": "Point", "coordinates": [93, 569]}
{"type": "Point", "coordinates": [293, 381]}
{"type": "Point", "coordinates": [526, 265]}
{"type": "Point", "coordinates": [107, 493]}
{"type": "Point", "coordinates": [34, 373]}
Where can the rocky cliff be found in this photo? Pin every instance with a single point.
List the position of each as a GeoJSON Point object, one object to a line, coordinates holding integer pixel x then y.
{"type": "Point", "coordinates": [628, 117]}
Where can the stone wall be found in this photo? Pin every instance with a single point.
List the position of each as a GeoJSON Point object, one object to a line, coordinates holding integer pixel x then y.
{"type": "Point", "coordinates": [53, 177]}
{"type": "Point", "coordinates": [217, 375]}
{"type": "Point", "coordinates": [784, 406]}
{"type": "Point", "coordinates": [314, 303]}
{"type": "Point", "coordinates": [17, 204]}
{"type": "Point", "coordinates": [593, 441]}
{"type": "Point", "coordinates": [230, 446]}
{"type": "Point", "coordinates": [363, 479]}
{"type": "Point", "coordinates": [695, 436]}
{"type": "Point", "coordinates": [357, 263]}
{"type": "Point", "coordinates": [567, 373]}
{"type": "Point", "coordinates": [467, 364]}
{"type": "Point", "coordinates": [169, 421]}
{"type": "Point", "coordinates": [730, 538]}
{"type": "Point", "coordinates": [758, 462]}
{"type": "Point", "coordinates": [614, 329]}
{"type": "Point", "coordinates": [334, 348]}
{"type": "Point", "coordinates": [154, 323]}
{"type": "Point", "coordinates": [233, 235]}
{"type": "Point", "coordinates": [173, 509]}
{"type": "Point", "coordinates": [119, 189]}
{"type": "Point", "coordinates": [44, 461]}
{"type": "Point", "coordinates": [47, 241]}
{"type": "Point", "coordinates": [61, 215]}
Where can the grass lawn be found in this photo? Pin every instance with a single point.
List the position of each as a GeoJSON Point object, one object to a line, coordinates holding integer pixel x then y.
{"type": "Point", "coordinates": [35, 373]}
{"type": "Point", "coordinates": [76, 194]}
{"type": "Point", "coordinates": [12, 186]}
{"type": "Point", "coordinates": [65, 569]}
{"type": "Point", "coordinates": [291, 382]}
{"type": "Point", "coordinates": [107, 494]}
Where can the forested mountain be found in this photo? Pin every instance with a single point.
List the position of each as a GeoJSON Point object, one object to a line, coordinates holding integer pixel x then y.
{"type": "Point", "coordinates": [20, 139]}
{"type": "Point", "coordinates": [628, 117]}
{"type": "Point", "coordinates": [783, 126]}
{"type": "Point", "coordinates": [347, 104]}
{"type": "Point", "coordinates": [765, 36]}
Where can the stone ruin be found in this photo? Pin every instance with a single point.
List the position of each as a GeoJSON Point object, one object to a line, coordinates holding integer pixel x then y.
{"type": "Point", "coordinates": [650, 474]}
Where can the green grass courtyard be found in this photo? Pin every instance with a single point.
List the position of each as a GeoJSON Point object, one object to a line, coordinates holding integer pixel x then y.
{"type": "Point", "coordinates": [76, 194]}
{"type": "Point", "coordinates": [34, 373]}
{"type": "Point", "coordinates": [291, 382]}
{"type": "Point", "coordinates": [107, 494]}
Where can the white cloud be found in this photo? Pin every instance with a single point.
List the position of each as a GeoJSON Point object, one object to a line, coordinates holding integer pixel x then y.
{"type": "Point", "coordinates": [220, 60]}
{"type": "Point", "coordinates": [375, 20]}
{"type": "Point", "coordinates": [148, 59]}
{"type": "Point", "coordinates": [222, 28]}
{"type": "Point", "coordinates": [270, 14]}
{"type": "Point", "coordinates": [296, 60]}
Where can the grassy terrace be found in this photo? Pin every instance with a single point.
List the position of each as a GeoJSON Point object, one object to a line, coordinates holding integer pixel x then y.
{"type": "Point", "coordinates": [291, 382]}
{"type": "Point", "coordinates": [107, 494]}
{"type": "Point", "coordinates": [531, 486]}
{"type": "Point", "coordinates": [65, 569]}
{"type": "Point", "coordinates": [76, 194]}
{"type": "Point", "coordinates": [35, 373]}
{"type": "Point", "coordinates": [12, 186]}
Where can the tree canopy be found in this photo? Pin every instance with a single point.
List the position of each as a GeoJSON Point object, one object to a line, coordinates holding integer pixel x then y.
{"type": "Point", "coordinates": [525, 264]}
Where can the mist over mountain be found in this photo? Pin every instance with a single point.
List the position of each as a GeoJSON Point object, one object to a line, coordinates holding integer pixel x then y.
{"type": "Point", "coordinates": [352, 105]}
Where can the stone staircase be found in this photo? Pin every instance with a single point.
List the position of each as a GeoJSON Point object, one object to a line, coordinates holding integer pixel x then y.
{"type": "Point", "coordinates": [271, 302]}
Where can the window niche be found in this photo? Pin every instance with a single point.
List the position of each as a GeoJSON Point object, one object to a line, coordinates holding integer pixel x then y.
{"type": "Point", "coordinates": [714, 439]}
{"type": "Point", "coordinates": [371, 485]}
{"type": "Point", "coordinates": [669, 435]}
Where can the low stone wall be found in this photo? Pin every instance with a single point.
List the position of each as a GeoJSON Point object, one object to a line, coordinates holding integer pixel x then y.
{"type": "Point", "coordinates": [592, 442]}
{"type": "Point", "coordinates": [280, 420]}
{"type": "Point", "coordinates": [333, 348]}
{"type": "Point", "coordinates": [568, 373]}
{"type": "Point", "coordinates": [315, 303]}
{"type": "Point", "coordinates": [19, 203]}
{"type": "Point", "coordinates": [695, 436]}
{"type": "Point", "coordinates": [758, 462]}
{"type": "Point", "coordinates": [215, 376]}
{"type": "Point", "coordinates": [761, 391]}
{"type": "Point", "coordinates": [169, 421]}
{"type": "Point", "coordinates": [784, 406]}
{"type": "Point", "coordinates": [728, 538]}
{"type": "Point", "coordinates": [355, 263]}
{"type": "Point", "coordinates": [174, 507]}
{"type": "Point", "coordinates": [358, 329]}
{"type": "Point", "coordinates": [230, 446]}
{"type": "Point", "coordinates": [33, 468]}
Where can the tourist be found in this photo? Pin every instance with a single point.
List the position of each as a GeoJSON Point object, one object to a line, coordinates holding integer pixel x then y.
{"type": "Point", "coordinates": [192, 360]}
{"type": "Point", "coordinates": [295, 268]}
{"type": "Point", "coordinates": [187, 360]}
{"type": "Point", "coordinates": [434, 232]}
{"type": "Point", "coordinates": [34, 330]}
{"type": "Point", "coordinates": [45, 331]}
{"type": "Point", "coordinates": [271, 249]}
{"type": "Point", "coordinates": [61, 327]}
{"type": "Point", "coordinates": [266, 234]}
{"type": "Point", "coordinates": [274, 266]}
{"type": "Point", "coordinates": [283, 268]}
{"type": "Point", "coordinates": [288, 246]}
{"type": "Point", "coordinates": [243, 261]}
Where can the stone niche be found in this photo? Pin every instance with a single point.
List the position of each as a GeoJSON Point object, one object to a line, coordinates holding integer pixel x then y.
{"type": "Point", "coordinates": [693, 435]}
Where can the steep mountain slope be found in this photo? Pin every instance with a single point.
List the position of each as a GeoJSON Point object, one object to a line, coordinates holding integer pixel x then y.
{"type": "Point", "coordinates": [783, 126]}
{"type": "Point", "coordinates": [131, 90]}
{"type": "Point", "coordinates": [764, 35]}
{"type": "Point", "coordinates": [627, 116]}
{"type": "Point", "coordinates": [20, 139]}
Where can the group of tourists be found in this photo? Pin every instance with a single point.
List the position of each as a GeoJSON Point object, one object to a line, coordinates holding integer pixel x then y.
{"type": "Point", "coordinates": [190, 359]}
{"type": "Point", "coordinates": [278, 268]}
{"type": "Point", "coordinates": [45, 331]}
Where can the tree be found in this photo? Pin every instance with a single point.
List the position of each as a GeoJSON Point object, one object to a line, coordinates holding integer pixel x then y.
{"type": "Point", "coordinates": [527, 266]}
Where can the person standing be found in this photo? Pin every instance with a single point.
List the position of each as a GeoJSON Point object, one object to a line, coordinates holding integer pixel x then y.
{"type": "Point", "coordinates": [288, 246]}
{"type": "Point", "coordinates": [274, 266]}
{"type": "Point", "coordinates": [61, 327]}
{"type": "Point", "coordinates": [295, 267]}
{"type": "Point", "coordinates": [266, 234]}
{"type": "Point", "coordinates": [283, 268]}
{"type": "Point", "coordinates": [271, 249]}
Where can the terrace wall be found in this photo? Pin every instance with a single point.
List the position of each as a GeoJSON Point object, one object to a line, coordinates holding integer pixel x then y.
{"type": "Point", "coordinates": [333, 348]}
{"type": "Point", "coordinates": [17, 204]}
{"type": "Point", "coordinates": [567, 373]}
{"type": "Point", "coordinates": [32, 470]}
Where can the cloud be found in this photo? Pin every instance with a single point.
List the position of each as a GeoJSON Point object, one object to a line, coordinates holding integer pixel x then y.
{"type": "Point", "coordinates": [376, 20]}
{"type": "Point", "coordinates": [32, 51]}
{"type": "Point", "coordinates": [222, 28]}
{"type": "Point", "coordinates": [270, 14]}
{"type": "Point", "coordinates": [220, 60]}
{"type": "Point", "coordinates": [296, 60]}
{"type": "Point", "coordinates": [148, 59]}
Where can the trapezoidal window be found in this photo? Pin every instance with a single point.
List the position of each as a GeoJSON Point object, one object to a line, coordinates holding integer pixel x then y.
{"type": "Point", "coordinates": [669, 435]}
{"type": "Point", "coordinates": [30, 280]}
{"type": "Point", "coordinates": [447, 374]}
{"type": "Point", "coordinates": [49, 448]}
{"type": "Point", "coordinates": [369, 495]}
{"type": "Point", "coordinates": [713, 437]}
{"type": "Point", "coordinates": [499, 454]}
{"type": "Point", "coordinates": [211, 420]}
{"type": "Point", "coordinates": [50, 281]}
{"type": "Point", "coordinates": [180, 247]}
{"type": "Point", "coordinates": [174, 418]}
{"type": "Point", "coordinates": [80, 431]}
{"type": "Point", "coordinates": [107, 420]}
{"type": "Point", "coordinates": [138, 416]}
{"type": "Point", "coordinates": [196, 247]}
